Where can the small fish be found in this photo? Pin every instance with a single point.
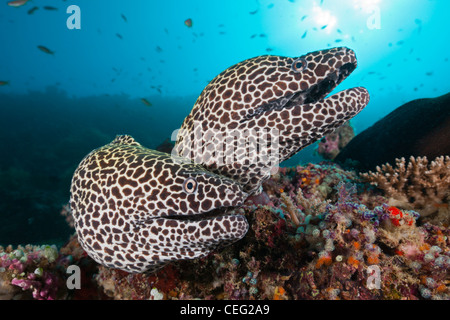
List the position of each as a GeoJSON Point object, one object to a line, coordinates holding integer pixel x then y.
{"type": "Point", "coordinates": [269, 49]}
{"type": "Point", "coordinates": [338, 40]}
{"type": "Point", "coordinates": [253, 12]}
{"type": "Point", "coordinates": [17, 3]}
{"type": "Point", "coordinates": [429, 73]}
{"type": "Point", "coordinates": [118, 35]}
{"type": "Point", "coordinates": [45, 50]}
{"type": "Point", "coordinates": [323, 27]}
{"type": "Point", "coordinates": [304, 35]}
{"type": "Point", "coordinates": [262, 35]}
{"type": "Point", "coordinates": [157, 88]}
{"type": "Point", "coordinates": [253, 36]}
{"type": "Point", "coordinates": [188, 23]}
{"type": "Point", "coordinates": [399, 43]}
{"type": "Point", "coordinates": [32, 10]}
{"type": "Point", "coordinates": [124, 18]}
{"type": "Point", "coordinates": [158, 49]}
{"type": "Point", "coordinates": [304, 17]}
{"type": "Point", "coordinates": [3, 83]}
{"type": "Point", "coordinates": [339, 31]}
{"type": "Point", "coordinates": [49, 8]}
{"type": "Point", "coordinates": [146, 102]}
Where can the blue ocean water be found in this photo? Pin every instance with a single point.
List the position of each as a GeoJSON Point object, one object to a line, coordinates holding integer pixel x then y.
{"type": "Point", "coordinates": [66, 91]}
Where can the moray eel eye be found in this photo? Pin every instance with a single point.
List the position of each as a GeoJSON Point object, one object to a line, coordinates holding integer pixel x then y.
{"type": "Point", "coordinates": [190, 185]}
{"type": "Point", "coordinates": [299, 65]}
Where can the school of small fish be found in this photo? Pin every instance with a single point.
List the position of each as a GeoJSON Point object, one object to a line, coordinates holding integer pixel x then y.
{"type": "Point", "coordinates": [305, 24]}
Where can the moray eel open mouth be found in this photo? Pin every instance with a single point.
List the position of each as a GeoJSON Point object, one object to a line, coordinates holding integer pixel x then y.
{"type": "Point", "coordinates": [310, 94]}
{"type": "Point", "coordinates": [324, 87]}
{"type": "Point", "coordinates": [282, 95]}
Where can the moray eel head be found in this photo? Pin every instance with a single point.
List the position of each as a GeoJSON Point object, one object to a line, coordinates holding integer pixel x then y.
{"type": "Point", "coordinates": [284, 96]}
{"type": "Point", "coordinates": [137, 209]}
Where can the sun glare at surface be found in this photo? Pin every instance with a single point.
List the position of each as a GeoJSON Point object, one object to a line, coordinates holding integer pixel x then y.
{"type": "Point", "coordinates": [324, 19]}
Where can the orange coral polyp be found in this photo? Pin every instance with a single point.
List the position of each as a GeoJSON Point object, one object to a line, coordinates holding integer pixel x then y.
{"type": "Point", "coordinates": [352, 261]}
{"type": "Point", "coordinates": [373, 259]}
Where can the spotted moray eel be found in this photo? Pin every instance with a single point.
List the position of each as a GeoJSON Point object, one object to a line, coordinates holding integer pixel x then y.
{"type": "Point", "coordinates": [268, 92]}
{"type": "Point", "coordinates": [135, 208]}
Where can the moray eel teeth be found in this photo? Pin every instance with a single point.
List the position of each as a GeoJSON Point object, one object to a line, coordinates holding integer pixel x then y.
{"type": "Point", "coordinates": [137, 209]}
{"type": "Point", "coordinates": [282, 97]}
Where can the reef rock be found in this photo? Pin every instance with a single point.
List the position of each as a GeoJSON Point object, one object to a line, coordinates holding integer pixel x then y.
{"type": "Point", "coordinates": [418, 128]}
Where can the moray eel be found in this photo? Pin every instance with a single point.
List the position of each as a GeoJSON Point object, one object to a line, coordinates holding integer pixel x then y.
{"type": "Point", "coordinates": [136, 209]}
{"type": "Point", "coordinates": [270, 103]}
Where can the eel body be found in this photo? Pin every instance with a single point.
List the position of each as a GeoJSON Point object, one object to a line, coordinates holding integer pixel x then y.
{"type": "Point", "coordinates": [263, 110]}
{"type": "Point", "coordinates": [137, 209]}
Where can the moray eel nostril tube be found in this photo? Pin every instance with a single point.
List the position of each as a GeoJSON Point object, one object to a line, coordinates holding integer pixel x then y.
{"type": "Point", "coordinates": [137, 209]}
{"type": "Point", "coordinates": [277, 103]}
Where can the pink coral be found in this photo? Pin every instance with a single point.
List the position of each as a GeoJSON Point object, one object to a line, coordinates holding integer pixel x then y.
{"type": "Point", "coordinates": [43, 289]}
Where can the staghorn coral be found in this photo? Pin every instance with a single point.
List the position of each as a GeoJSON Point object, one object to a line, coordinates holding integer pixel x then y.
{"type": "Point", "coordinates": [418, 185]}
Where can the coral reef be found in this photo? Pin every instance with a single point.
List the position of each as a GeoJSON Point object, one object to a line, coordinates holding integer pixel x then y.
{"type": "Point", "coordinates": [317, 238]}
{"type": "Point", "coordinates": [416, 185]}
{"type": "Point", "coordinates": [330, 145]}
{"type": "Point", "coordinates": [316, 232]}
{"type": "Point", "coordinates": [25, 269]}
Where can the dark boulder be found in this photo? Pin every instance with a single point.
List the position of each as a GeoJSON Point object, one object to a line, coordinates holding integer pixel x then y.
{"type": "Point", "coordinates": [418, 128]}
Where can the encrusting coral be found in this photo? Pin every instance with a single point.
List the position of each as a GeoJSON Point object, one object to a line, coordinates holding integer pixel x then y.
{"type": "Point", "coordinates": [24, 272]}
{"type": "Point", "coordinates": [417, 185]}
